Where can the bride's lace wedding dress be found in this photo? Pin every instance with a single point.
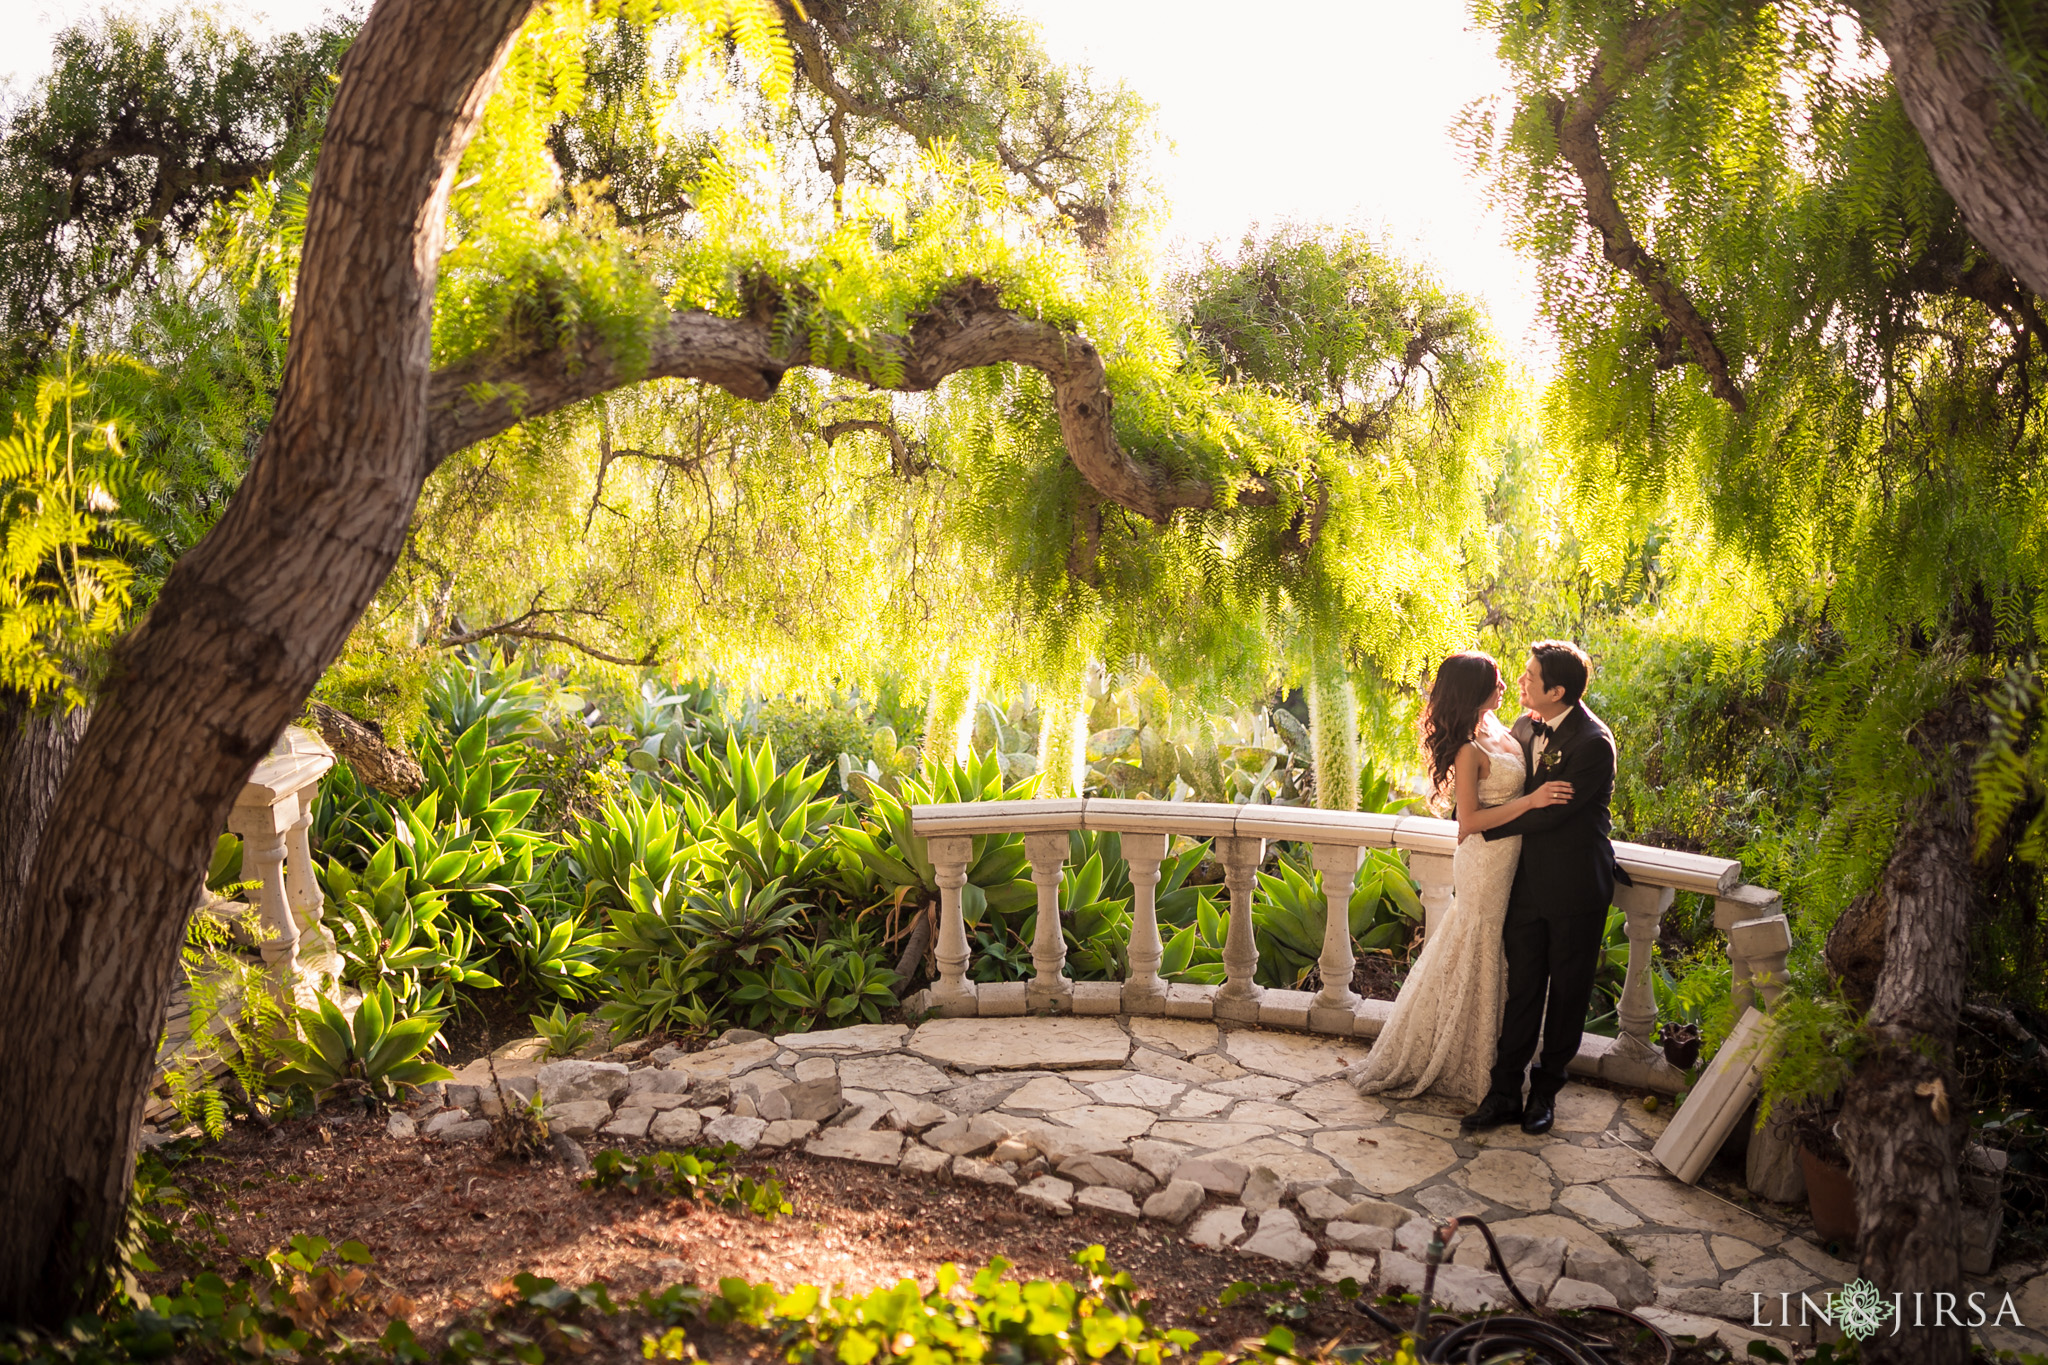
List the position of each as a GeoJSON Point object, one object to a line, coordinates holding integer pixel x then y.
{"type": "Point", "coordinates": [1446, 1021]}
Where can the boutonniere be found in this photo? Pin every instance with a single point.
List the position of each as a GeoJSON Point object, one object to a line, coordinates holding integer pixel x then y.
{"type": "Point", "coordinates": [1548, 759]}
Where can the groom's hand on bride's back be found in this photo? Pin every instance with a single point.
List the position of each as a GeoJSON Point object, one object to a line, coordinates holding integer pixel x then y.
{"type": "Point", "coordinates": [1588, 780]}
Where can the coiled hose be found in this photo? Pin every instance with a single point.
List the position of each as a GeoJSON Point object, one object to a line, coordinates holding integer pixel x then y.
{"type": "Point", "coordinates": [1494, 1338]}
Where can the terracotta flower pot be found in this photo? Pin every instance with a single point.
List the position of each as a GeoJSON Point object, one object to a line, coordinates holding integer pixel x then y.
{"type": "Point", "coordinates": [1830, 1197]}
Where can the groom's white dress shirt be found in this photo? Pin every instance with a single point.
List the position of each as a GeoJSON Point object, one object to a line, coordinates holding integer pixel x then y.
{"type": "Point", "coordinates": [1542, 742]}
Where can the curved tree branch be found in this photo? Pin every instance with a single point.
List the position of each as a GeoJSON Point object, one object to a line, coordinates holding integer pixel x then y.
{"type": "Point", "coordinates": [807, 39]}
{"type": "Point", "coordinates": [513, 630]}
{"type": "Point", "coordinates": [1987, 144]}
{"type": "Point", "coordinates": [906, 462]}
{"type": "Point", "coordinates": [1575, 119]}
{"type": "Point", "coordinates": [967, 329]}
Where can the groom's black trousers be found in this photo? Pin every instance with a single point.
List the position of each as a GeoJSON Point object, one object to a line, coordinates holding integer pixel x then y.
{"type": "Point", "coordinates": [1562, 952]}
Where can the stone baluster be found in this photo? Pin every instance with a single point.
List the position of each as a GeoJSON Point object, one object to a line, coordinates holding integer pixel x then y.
{"type": "Point", "coordinates": [307, 902]}
{"type": "Point", "coordinates": [1144, 989]}
{"type": "Point", "coordinates": [1339, 865]}
{"type": "Point", "coordinates": [1239, 996]}
{"type": "Point", "coordinates": [1050, 987]}
{"type": "Point", "coordinates": [1757, 949]}
{"type": "Point", "coordinates": [1432, 873]}
{"type": "Point", "coordinates": [1642, 908]}
{"type": "Point", "coordinates": [1746, 904]}
{"type": "Point", "coordinates": [952, 993]}
{"type": "Point", "coordinates": [263, 858]}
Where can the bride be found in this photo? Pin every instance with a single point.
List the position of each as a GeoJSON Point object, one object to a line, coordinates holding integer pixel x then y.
{"type": "Point", "coordinates": [1445, 1023]}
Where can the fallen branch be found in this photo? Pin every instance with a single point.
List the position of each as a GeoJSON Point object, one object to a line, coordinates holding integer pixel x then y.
{"type": "Point", "coordinates": [386, 767]}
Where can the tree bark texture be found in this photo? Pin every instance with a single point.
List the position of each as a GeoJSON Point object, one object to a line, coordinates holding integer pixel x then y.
{"type": "Point", "coordinates": [386, 767]}
{"type": "Point", "coordinates": [1964, 99]}
{"type": "Point", "coordinates": [1900, 1121]}
{"type": "Point", "coordinates": [243, 628]}
{"type": "Point", "coordinates": [34, 752]}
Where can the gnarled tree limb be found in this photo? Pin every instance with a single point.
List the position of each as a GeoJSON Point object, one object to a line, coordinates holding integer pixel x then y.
{"type": "Point", "coordinates": [1986, 143]}
{"type": "Point", "coordinates": [1575, 118]}
{"type": "Point", "coordinates": [386, 767]}
{"type": "Point", "coordinates": [966, 330]}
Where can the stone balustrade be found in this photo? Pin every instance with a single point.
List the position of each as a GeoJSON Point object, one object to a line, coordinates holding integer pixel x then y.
{"type": "Point", "coordinates": [1752, 918]}
{"type": "Point", "coordinates": [272, 815]}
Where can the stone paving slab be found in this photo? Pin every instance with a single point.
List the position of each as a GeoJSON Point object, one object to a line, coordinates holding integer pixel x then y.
{"type": "Point", "coordinates": [1244, 1138]}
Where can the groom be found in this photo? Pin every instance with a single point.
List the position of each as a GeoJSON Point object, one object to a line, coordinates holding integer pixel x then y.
{"type": "Point", "coordinates": [1564, 882]}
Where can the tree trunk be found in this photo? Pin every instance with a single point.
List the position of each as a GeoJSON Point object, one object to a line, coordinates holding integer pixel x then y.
{"type": "Point", "coordinates": [243, 628]}
{"type": "Point", "coordinates": [1965, 100]}
{"type": "Point", "coordinates": [34, 752]}
{"type": "Point", "coordinates": [1903, 1137]}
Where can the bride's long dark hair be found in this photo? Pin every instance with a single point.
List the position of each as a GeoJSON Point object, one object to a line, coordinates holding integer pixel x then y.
{"type": "Point", "coordinates": [1461, 694]}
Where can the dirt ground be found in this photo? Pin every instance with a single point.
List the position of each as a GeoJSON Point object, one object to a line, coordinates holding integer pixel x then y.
{"type": "Point", "coordinates": [447, 1223]}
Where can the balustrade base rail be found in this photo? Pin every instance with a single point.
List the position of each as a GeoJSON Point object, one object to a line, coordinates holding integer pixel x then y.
{"type": "Point", "coordinates": [1618, 1061]}
{"type": "Point", "coordinates": [1752, 918]}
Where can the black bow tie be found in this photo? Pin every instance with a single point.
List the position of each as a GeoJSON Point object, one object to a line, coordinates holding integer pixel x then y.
{"type": "Point", "coordinates": [1542, 728]}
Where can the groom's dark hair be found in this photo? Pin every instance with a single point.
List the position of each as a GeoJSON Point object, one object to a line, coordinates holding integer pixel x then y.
{"type": "Point", "coordinates": [1563, 664]}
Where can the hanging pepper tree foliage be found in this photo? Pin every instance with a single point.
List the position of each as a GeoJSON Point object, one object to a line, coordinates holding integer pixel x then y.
{"type": "Point", "coordinates": [1776, 323]}
{"type": "Point", "coordinates": [462, 308]}
{"type": "Point", "coordinates": [899, 199]}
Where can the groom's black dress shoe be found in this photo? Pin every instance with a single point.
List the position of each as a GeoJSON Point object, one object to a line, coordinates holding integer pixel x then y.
{"type": "Point", "coordinates": [1495, 1111]}
{"type": "Point", "coordinates": [1539, 1115]}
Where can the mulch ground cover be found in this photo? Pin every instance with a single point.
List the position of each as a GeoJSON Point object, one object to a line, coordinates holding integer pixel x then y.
{"type": "Point", "coordinates": [448, 1225]}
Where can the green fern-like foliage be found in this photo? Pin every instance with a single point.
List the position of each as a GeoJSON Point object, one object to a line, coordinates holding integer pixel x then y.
{"type": "Point", "coordinates": [64, 580]}
{"type": "Point", "coordinates": [1870, 504]}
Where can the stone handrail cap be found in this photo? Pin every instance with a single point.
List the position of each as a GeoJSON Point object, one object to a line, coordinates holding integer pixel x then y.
{"type": "Point", "coordinates": [1210, 820]}
{"type": "Point", "coordinates": [1317, 826]}
{"type": "Point", "coordinates": [298, 759]}
{"type": "Point", "coordinates": [994, 817]}
{"type": "Point", "coordinates": [1196, 819]}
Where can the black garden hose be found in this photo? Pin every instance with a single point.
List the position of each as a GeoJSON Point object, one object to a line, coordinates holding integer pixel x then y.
{"type": "Point", "coordinates": [1484, 1340]}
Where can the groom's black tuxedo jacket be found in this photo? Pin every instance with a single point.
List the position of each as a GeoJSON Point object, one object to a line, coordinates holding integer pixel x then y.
{"type": "Point", "coordinates": [1567, 865]}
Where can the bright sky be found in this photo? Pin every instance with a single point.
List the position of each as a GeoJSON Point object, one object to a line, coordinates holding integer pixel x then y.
{"type": "Point", "coordinates": [1332, 111]}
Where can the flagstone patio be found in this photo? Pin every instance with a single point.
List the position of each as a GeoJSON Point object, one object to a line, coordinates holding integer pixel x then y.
{"type": "Point", "coordinates": [1244, 1138]}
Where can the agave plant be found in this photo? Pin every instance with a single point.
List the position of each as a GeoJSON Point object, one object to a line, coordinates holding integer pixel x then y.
{"type": "Point", "coordinates": [630, 834]}
{"type": "Point", "coordinates": [510, 705]}
{"type": "Point", "coordinates": [473, 779]}
{"type": "Point", "coordinates": [666, 722]}
{"type": "Point", "coordinates": [890, 863]}
{"type": "Point", "coordinates": [744, 784]}
{"type": "Point", "coordinates": [369, 1057]}
{"type": "Point", "coordinates": [661, 996]}
{"type": "Point", "coordinates": [741, 924]}
{"type": "Point", "coordinates": [562, 1034]}
{"type": "Point", "coordinates": [405, 943]}
{"type": "Point", "coordinates": [558, 955]}
{"type": "Point", "coordinates": [1288, 913]}
{"type": "Point", "coordinates": [1195, 951]}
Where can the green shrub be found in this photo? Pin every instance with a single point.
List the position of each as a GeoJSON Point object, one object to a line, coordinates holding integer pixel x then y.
{"type": "Point", "coordinates": [696, 1173]}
